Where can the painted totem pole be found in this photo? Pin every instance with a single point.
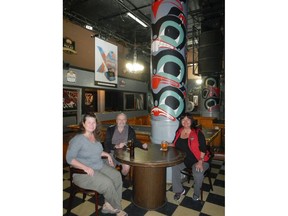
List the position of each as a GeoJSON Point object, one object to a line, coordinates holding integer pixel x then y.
{"type": "Point", "coordinates": [168, 67]}
{"type": "Point", "coordinates": [210, 98]}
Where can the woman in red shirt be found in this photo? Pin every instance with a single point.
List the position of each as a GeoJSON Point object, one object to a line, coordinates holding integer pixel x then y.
{"type": "Point", "coordinates": [190, 139]}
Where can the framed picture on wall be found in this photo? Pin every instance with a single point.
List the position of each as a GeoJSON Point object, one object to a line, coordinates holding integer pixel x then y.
{"type": "Point", "coordinates": [106, 63]}
{"type": "Point", "coordinates": [89, 102]}
{"type": "Point", "coordinates": [70, 98]}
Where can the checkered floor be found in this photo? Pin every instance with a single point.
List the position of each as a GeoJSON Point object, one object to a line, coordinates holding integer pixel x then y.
{"type": "Point", "coordinates": [214, 201]}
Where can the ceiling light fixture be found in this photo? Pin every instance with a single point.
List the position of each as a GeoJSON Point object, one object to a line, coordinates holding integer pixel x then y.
{"type": "Point", "coordinates": [89, 27]}
{"type": "Point", "coordinates": [137, 19]}
{"type": "Point", "coordinates": [134, 67]}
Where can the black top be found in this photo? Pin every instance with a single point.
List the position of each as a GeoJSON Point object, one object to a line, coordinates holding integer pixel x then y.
{"type": "Point", "coordinates": [190, 159]}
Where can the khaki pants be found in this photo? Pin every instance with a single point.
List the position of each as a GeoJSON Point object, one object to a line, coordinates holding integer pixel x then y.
{"type": "Point", "coordinates": [107, 181]}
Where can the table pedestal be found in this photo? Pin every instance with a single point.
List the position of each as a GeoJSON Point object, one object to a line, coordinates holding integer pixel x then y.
{"type": "Point", "coordinates": [149, 187]}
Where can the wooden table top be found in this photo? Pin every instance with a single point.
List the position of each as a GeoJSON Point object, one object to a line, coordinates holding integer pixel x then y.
{"type": "Point", "coordinates": [153, 157]}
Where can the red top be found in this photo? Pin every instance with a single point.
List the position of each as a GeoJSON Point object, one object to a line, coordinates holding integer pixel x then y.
{"type": "Point", "coordinates": [193, 143]}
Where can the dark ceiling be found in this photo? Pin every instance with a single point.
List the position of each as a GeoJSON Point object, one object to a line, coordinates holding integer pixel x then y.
{"type": "Point", "coordinates": [109, 19]}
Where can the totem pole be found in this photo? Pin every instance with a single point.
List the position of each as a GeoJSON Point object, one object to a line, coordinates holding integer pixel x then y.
{"type": "Point", "coordinates": [168, 67]}
{"type": "Point", "coordinates": [210, 97]}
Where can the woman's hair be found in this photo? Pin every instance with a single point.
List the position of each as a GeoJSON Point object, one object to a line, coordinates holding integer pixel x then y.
{"type": "Point", "coordinates": [189, 116]}
{"type": "Point", "coordinates": [97, 132]}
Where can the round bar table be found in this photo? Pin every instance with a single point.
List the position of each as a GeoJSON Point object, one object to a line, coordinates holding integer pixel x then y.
{"type": "Point", "coordinates": [149, 173]}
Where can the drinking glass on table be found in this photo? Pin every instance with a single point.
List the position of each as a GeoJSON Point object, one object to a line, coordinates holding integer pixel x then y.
{"type": "Point", "coordinates": [164, 145]}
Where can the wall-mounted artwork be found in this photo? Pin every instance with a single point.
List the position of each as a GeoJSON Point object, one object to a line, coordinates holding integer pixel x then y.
{"type": "Point", "coordinates": [89, 102]}
{"type": "Point", "coordinates": [70, 98]}
{"type": "Point", "coordinates": [106, 63]}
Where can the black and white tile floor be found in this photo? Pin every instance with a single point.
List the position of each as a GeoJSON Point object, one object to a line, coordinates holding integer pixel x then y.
{"type": "Point", "coordinates": [214, 201]}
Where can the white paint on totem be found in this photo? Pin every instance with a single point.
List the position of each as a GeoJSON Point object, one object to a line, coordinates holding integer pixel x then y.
{"type": "Point", "coordinates": [163, 130]}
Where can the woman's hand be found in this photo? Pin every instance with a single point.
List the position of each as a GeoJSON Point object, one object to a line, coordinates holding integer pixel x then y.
{"type": "Point", "coordinates": [199, 166]}
{"type": "Point", "coordinates": [81, 166]}
{"type": "Point", "coordinates": [109, 158]}
{"type": "Point", "coordinates": [89, 171]}
{"type": "Point", "coordinates": [110, 161]}
{"type": "Point", "coordinates": [145, 146]}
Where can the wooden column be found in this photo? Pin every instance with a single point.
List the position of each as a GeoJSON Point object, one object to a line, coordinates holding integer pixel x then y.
{"type": "Point", "coordinates": [149, 189]}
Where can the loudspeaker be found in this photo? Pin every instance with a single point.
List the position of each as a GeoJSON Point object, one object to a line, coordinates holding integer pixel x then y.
{"type": "Point", "coordinates": [211, 48]}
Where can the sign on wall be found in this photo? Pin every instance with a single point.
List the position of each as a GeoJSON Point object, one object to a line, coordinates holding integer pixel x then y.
{"type": "Point", "coordinates": [106, 63]}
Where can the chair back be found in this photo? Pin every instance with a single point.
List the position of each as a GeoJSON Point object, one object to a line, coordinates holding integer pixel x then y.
{"type": "Point", "coordinates": [210, 152]}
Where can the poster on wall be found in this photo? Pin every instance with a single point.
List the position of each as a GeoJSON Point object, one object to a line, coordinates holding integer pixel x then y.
{"type": "Point", "coordinates": [70, 97]}
{"type": "Point", "coordinates": [89, 102]}
{"type": "Point", "coordinates": [106, 63]}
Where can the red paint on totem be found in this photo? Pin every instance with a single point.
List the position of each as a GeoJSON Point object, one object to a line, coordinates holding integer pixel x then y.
{"type": "Point", "coordinates": [155, 6]}
{"type": "Point", "coordinates": [156, 111]}
{"type": "Point", "coordinates": [157, 80]}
